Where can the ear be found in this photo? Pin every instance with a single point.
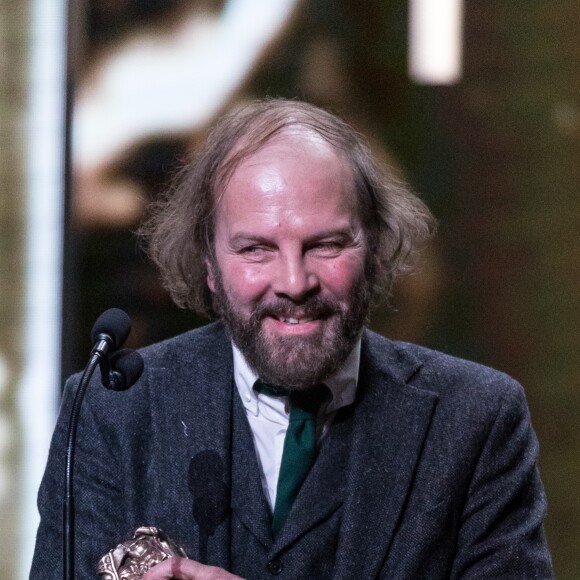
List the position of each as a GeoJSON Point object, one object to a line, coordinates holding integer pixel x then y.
{"type": "Point", "coordinates": [210, 275]}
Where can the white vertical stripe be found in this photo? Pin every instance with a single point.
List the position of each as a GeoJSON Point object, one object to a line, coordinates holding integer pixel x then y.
{"type": "Point", "coordinates": [435, 41]}
{"type": "Point", "coordinates": [38, 393]}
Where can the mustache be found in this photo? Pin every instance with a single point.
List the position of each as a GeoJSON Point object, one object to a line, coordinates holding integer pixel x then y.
{"type": "Point", "coordinates": [314, 307]}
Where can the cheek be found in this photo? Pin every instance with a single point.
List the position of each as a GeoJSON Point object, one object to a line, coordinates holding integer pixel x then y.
{"type": "Point", "coordinates": [340, 276]}
{"type": "Point", "coordinates": [244, 282]}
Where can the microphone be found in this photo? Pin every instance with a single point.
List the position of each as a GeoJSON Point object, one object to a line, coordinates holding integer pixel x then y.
{"type": "Point", "coordinates": [126, 367]}
{"type": "Point", "coordinates": [108, 334]}
{"type": "Point", "coordinates": [110, 331]}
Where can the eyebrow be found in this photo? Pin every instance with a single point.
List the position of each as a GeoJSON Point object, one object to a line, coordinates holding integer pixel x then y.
{"type": "Point", "coordinates": [248, 239]}
{"type": "Point", "coordinates": [342, 233]}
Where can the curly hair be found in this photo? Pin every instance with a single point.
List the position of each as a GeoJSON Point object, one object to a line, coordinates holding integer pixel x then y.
{"type": "Point", "coordinates": [180, 228]}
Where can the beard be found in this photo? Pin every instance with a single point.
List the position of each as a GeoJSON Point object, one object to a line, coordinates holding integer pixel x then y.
{"type": "Point", "coordinates": [296, 362]}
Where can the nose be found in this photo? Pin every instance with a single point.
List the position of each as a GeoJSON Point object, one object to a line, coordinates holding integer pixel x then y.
{"type": "Point", "coordinates": [294, 279]}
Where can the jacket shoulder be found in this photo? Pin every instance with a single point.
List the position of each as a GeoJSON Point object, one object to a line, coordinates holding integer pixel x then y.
{"type": "Point", "coordinates": [209, 340]}
{"type": "Point", "coordinates": [177, 364]}
{"type": "Point", "coordinates": [444, 374]}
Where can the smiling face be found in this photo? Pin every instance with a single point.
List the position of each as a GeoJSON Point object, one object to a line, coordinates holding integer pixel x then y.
{"type": "Point", "coordinates": [288, 273]}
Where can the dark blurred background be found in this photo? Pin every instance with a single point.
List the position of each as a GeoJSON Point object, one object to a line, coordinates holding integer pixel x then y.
{"type": "Point", "coordinates": [496, 156]}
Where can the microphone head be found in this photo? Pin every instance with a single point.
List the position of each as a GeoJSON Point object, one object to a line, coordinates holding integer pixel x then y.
{"type": "Point", "coordinates": [126, 367]}
{"type": "Point", "coordinates": [114, 323]}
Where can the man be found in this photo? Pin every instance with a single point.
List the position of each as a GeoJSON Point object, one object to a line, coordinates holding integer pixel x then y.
{"type": "Point", "coordinates": [285, 439]}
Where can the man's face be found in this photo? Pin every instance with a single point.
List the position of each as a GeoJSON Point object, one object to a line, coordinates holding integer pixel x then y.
{"type": "Point", "coordinates": [289, 269]}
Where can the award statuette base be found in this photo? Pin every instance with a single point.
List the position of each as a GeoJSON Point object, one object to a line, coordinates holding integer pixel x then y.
{"type": "Point", "coordinates": [132, 558]}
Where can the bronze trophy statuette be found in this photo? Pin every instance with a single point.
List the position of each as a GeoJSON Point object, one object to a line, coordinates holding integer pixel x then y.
{"type": "Point", "coordinates": [132, 558]}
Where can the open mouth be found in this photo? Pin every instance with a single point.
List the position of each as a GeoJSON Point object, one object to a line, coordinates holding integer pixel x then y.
{"type": "Point", "coordinates": [293, 325]}
{"type": "Point", "coordinates": [290, 320]}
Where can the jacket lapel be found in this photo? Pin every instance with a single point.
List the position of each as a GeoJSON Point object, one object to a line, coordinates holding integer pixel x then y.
{"type": "Point", "coordinates": [367, 461]}
{"type": "Point", "coordinates": [202, 409]}
{"type": "Point", "coordinates": [390, 422]}
{"type": "Point", "coordinates": [248, 500]}
{"type": "Point", "coordinates": [324, 489]}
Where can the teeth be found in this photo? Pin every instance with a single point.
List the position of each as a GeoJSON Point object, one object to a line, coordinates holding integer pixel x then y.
{"type": "Point", "coordinates": [296, 320]}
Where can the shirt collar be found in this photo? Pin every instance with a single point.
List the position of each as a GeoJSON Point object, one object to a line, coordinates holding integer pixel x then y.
{"type": "Point", "coordinates": [342, 384]}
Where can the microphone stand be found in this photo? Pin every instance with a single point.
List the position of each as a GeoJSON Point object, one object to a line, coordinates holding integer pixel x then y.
{"type": "Point", "coordinates": [98, 355]}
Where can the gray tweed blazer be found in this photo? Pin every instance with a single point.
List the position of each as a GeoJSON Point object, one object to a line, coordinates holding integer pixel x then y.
{"type": "Point", "coordinates": [431, 473]}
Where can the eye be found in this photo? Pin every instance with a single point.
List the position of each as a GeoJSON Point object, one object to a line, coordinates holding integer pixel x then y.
{"type": "Point", "coordinates": [254, 252]}
{"type": "Point", "coordinates": [330, 247]}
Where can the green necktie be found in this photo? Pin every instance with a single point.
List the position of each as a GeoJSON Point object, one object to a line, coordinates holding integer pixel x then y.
{"type": "Point", "coordinates": [299, 445]}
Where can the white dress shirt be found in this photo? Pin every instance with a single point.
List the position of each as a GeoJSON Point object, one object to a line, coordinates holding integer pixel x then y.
{"type": "Point", "coordinates": [268, 416]}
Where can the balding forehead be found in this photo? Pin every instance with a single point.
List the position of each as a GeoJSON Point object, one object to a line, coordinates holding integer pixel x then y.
{"type": "Point", "coordinates": [291, 140]}
{"type": "Point", "coordinates": [293, 135]}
